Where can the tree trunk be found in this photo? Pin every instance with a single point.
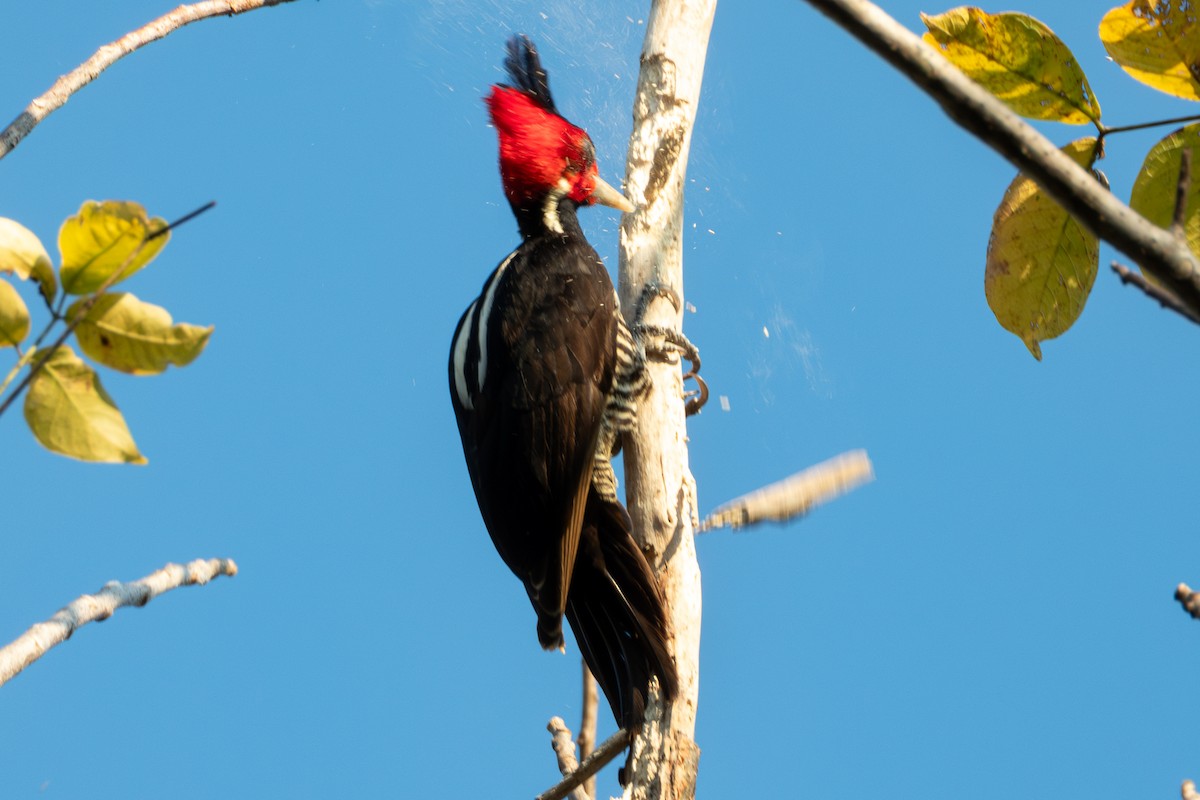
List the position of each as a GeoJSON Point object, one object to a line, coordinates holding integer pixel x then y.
{"type": "Point", "coordinates": [660, 490]}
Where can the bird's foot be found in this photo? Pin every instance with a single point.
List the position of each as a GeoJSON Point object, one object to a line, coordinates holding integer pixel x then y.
{"type": "Point", "coordinates": [669, 345]}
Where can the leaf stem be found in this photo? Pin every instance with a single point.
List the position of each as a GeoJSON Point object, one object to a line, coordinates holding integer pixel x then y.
{"type": "Point", "coordinates": [54, 317]}
{"type": "Point", "coordinates": [21, 362]}
{"type": "Point", "coordinates": [49, 303]}
{"type": "Point", "coordinates": [1182, 189]}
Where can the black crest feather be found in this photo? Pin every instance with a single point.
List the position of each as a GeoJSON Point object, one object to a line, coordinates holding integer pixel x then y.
{"type": "Point", "coordinates": [525, 70]}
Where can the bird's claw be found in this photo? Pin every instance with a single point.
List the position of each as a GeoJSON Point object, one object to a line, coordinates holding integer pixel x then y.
{"type": "Point", "coordinates": [668, 344]}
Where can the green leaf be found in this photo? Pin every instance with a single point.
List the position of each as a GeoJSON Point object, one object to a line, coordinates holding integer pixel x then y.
{"type": "Point", "coordinates": [22, 253]}
{"type": "Point", "coordinates": [14, 316]}
{"type": "Point", "coordinates": [1157, 43]}
{"type": "Point", "coordinates": [126, 334]}
{"type": "Point", "coordinates": [1153, 194]}
{"type": "Point", "coordinates": [70, 413]}
{"type": "Point", "coordinates": [1041, 263]}
{"type": "Point", "coordinates": [1019, 60]}
{"type": "Point", "coordinates": [105, 239]}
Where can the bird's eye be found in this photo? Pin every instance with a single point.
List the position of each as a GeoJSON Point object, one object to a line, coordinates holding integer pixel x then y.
{"type": "Point", "coordinates": [583, 159]}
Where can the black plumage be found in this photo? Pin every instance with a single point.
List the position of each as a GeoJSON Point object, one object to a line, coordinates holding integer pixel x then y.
{"type": "Point", "coordinates": [524, 69]}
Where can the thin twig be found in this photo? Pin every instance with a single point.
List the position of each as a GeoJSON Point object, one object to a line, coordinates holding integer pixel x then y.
{"type": "Point", "coordinates": [32, 644]}
{"type": "Point", "coordinates": [44, 354]}
{"type": "Point", "coordinates": [1188, 599]}
{"type": "Point", "coordinates": [795, 495]}
{"type": "Point", "coordinates": [603, 754]}
{"type": "Point", "coordinates": [1163, 256]}
{"type": "Point", "coordinates": [188, 217]}
{"type": "Point", "coordinates": [587, 722]}
{"type": "Point", "coordinates": [1141, 126]}
{"type": "Point", "coordinates": [1154, 292]}
{"type": "Point", "coordinates": [109, 54]}
{"type": "Point", "coordinates": [56, 314]}
{"type": "Point", "coordinates": [564, 750]}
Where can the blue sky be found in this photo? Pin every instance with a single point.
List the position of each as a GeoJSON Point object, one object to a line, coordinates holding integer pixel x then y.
{"type": "Point", "coordinates": [992, 617]}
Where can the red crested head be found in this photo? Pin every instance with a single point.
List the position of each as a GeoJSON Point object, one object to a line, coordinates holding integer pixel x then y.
{"type": "Point", "coordinates": [538, 149]}
{"type": "Point", "coordinates": [541, 154]}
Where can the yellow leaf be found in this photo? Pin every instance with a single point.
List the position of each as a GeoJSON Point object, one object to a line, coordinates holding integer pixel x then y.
{"type": "Point", "coordinates": [124, 333]}
{"type": "Point", "coordinates": [14, 316]}
{"type": "Point", "coordinates": [1041, 263]}
{"type": "Point", "coordinates": [22, 253]}
{"type": "Point", "coordinates": [70, 413]}
{"type": "Point", "coordinates": [1018, 59]}
{"type": "Point", "coordinates": [1154, 188]}
{"type": "Point", "coordinates": [1157, 43]}
{"type": "Point", "coordinates": [105, 239]}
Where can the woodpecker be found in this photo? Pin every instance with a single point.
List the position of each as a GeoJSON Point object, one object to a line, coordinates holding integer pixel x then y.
{"type": "Point", "coordinates": [544, 377]}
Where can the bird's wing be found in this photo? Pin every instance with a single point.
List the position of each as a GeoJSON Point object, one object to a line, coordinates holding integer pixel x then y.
{"type": "Point", "coordinates": [531, 437]}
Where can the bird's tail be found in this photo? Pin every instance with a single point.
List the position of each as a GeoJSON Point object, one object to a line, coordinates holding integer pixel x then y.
{"type": "Point", "coordinates": [615, 607]}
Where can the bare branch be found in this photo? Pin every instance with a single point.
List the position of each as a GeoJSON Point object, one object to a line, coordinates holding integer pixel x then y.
{"type": "Point", "coordinates": [109, 54]}
{"type": "Point", "coordinates": [1160, 254]}
{"type": "Point", "coordinates": [587, 722]}
{"type": "Point", "coordinates": [795, 495]}
{"type": "Point", "coordinates": [32, 644]}
{"type": "Point", "coordinates": [1188, 599]}
{"type": "Point", "coordinates": [605, 753]}
{"type": "Point", "coordinates": [1154, 292]}
{"type": "Point", "coordinates": [564, 749]}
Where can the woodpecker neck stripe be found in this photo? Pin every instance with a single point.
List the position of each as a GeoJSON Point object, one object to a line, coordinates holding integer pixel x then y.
{"type": "Point", "coordinates": [484, 315]}
{"type": "Point", "coordinates": [461, 337]}
{"type": "Point", "coordinates": [550, 205]}
{"type": "Point", "coordinates": [470, 341]}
